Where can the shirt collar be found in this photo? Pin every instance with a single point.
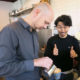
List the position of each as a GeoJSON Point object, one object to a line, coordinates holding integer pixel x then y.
{"type": "Point", "coordinates": [25, 24]}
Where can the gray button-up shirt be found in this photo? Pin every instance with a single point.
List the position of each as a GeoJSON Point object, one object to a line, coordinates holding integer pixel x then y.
{"type": "Point", "coordinates": [18, 48]}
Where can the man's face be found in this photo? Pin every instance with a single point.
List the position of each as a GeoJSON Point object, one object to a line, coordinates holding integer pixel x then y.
{"type": "Point", "coordinates": [43, 21]}
{"type": "Point", "coordinates": [62, 29]}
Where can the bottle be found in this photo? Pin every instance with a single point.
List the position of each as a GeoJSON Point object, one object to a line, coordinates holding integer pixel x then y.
{"type": "Point", "coordinates": [46, 74]}
{"type": "Point", "coordinates": [51, 70]}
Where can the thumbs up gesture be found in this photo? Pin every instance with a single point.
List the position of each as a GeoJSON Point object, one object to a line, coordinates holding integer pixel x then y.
{"type": "Point", "coordinates": [55, 50]}
{"type": "Point", "coordinates": [73, 54]}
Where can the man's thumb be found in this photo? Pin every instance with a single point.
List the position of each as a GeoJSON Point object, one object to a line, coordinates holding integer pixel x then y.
{"type": "Point", "coordinates": [72, 47]}
{"type": "Point", "coordinates": [55, 46]}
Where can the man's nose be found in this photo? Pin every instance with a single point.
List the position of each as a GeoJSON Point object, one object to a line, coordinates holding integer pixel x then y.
{"type": "Point", "coordinates": [63, 29]}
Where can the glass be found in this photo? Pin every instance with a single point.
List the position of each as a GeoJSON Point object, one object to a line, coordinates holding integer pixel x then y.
{"type": "Point", "coordinates": [57, 76]}
{"type": "Point", "coordinates": [60, 27]}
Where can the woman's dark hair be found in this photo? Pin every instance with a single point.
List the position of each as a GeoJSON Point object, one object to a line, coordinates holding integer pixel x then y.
{"type": "Point", "coordinates": [65, 19]}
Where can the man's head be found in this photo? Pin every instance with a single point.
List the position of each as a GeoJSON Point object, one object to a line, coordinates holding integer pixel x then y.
{"type": "Point", "coordinates": [63, 23]}
{"type": "Point", "coordinates": [41, 16]}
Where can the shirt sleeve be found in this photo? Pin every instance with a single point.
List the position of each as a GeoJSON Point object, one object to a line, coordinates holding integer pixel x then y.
{"type": "Point", "coordinates": [49, 49]}
{"type": "Point", "coordinates": [10, 65]}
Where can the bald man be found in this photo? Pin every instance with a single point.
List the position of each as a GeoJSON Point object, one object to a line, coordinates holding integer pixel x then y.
{"type": "Point", "coordinates": [19, 45]}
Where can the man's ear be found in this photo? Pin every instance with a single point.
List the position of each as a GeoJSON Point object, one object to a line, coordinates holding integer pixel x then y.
{"type": "Point", "coordinates": [37, 11]}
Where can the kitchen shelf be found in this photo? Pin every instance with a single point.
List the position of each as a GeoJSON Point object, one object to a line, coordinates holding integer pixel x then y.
{"type": "Point", "coordinates": [20, 12]}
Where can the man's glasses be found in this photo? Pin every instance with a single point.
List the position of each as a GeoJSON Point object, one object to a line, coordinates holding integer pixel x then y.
{"type": "Point", "coordinates": [60, 27]}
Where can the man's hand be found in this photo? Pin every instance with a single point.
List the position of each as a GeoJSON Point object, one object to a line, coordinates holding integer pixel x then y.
{"type": "Point", "coordinates": [73, 54]}
{"type": "Point", "coordinates": [45, 62]}
{"type": "Point", "coordinates": [55, 50]}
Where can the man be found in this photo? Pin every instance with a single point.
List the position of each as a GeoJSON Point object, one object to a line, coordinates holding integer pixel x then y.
{"type": "Point", "coordinates": [19, 46]}
{"type": "Point", "coordinates": [63, 48]}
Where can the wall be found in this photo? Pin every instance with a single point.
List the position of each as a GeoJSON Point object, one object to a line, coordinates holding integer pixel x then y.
{"type": "Point", "coordinates": [24, 3]}
{"type": "Point", "coordinates": [69, 7]}
{"type": "Point", "coordinates": [5, 7]}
